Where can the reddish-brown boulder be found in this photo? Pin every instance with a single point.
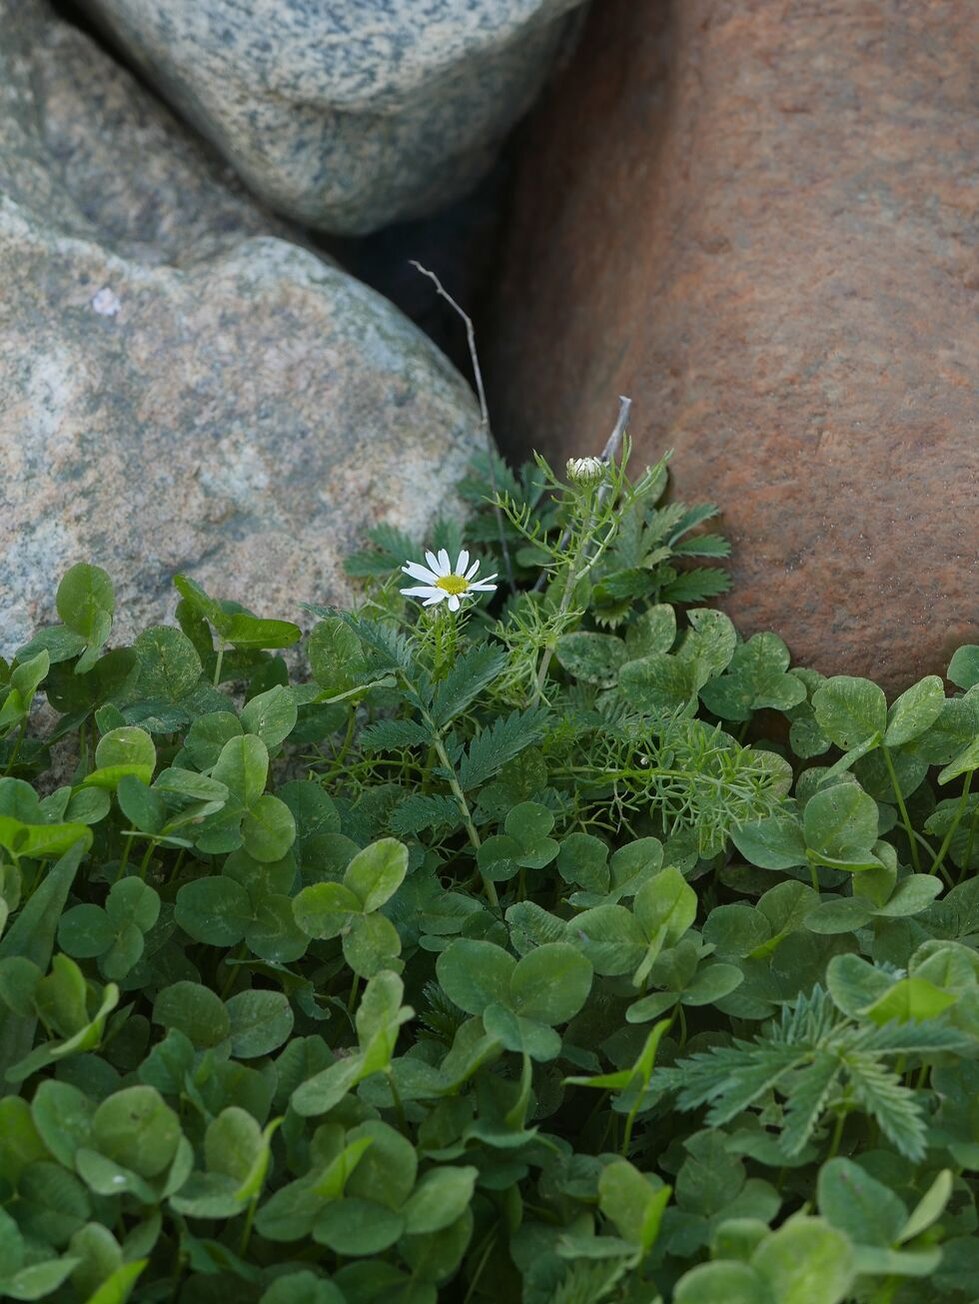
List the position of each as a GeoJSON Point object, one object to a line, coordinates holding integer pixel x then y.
{"type": "Point", "coordinates": [753, 217]}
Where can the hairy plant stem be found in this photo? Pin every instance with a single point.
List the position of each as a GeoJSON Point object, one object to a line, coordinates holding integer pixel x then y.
{"type": "Point", "coordinates": [467, 819]}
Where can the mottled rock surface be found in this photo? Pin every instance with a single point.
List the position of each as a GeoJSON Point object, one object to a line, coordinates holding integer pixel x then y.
{"type": "Point", "coordinates": [180, 388]}
{"type": "Point", "coordinates": [347, 116]}
{"type": "Point", "coordinates": [758, 220]}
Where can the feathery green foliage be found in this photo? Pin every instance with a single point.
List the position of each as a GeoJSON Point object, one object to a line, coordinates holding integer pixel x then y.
{"type": "Point", "coordinates": [567, 949]}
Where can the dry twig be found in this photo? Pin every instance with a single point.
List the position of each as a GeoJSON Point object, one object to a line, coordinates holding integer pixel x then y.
{"type": "Point", "coordinates": [483, 407]}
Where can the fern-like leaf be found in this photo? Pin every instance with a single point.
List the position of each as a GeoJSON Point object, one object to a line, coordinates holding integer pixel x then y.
{"type": "Point", "coordinates": [392, 735]}
{"type": "Point", "coordinates": [390, 549]}
{"type": "Point", "coordinates": [703, 545]}
{"type": "Point", "coordinates": [472, 672]}
{"type": "Point", "coordinates": [697, 585]}
{"type": "Point", "coordinates": [392, 648]}
{"type": "Point", "coordinates": [896, 1109]}
{"type": "Point", "coordinates": [506, 738]}
{"type": "Point", "coordinates": [808, 1094]}
{"type": "Point", "coordinates": [732, 1077]}
{"type": "Point", "coordinates": [590, 1283]}
{"type": "Point", "coordinates": [423, 812]}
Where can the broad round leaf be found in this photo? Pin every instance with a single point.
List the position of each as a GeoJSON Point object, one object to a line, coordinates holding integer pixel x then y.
{"type": "Point", "coordinates": [323, 909]}
{"type": "Point", "coordinates": [214, 910]}
{"type": "Point", "coordinates": [806, 1262]}
{"type": "Point", "coordinates": [915, 711]}
{"type": "Point", "coordinates": [850, 711]}
{"type": "Point", "coordinates": [169, 666]}
{"type": "Point", "coordinates": [376, 873]}
{"type": "Point", "coordinates": [551, 984]}
{"type": "Point", "coordinates": [195, 1011]}
{"type": "Point", "coordinates": [268, 829]}
{"type": "Point", "coordinates": [476, 974]}
{"type": "Point", "coordinates": [840, 823]}
{"type": "Point", "coordinates": [357, 1227]}
{"type": "Point", "coordinates": [86, 601]}
{"type": "Point", "coordinates": [260, 1022]}
{"type": "Point", "coordinates": [440, 1198]}
{"type": "Point", "coordinates": [856, 1203]}
{"type": "Point", "coordinates": [271, 715]}
{"type": "Point", "coordinates": [136, 1128]}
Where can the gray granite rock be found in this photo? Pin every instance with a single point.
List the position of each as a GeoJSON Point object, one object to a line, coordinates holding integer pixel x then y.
{"type": "Point", "coordinates": [180, 387]}
{"type": "Point", "coordinates": [347, 114]}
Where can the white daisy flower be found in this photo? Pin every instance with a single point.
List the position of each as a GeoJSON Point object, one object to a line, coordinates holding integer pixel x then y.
{"type": "Point", "coordinates": [443, 583]}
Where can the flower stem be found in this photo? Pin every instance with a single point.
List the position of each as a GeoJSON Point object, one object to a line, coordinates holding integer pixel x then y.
{"type": "Point", "coordinates": [467, 819]}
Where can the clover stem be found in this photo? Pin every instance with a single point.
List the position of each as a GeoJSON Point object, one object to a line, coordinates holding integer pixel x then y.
{"type": "Point", "coordinates": [814, 874]}
{"type": "Point", "coordinates": [967, 861]}
{"type": "Point", "coordinates": [124, 859]}
{"type": "Point", "coordinates": [905, 818]}
{"type": "Point", "coordinates": [960, 811]}
{"type": "Point", "coordinates": [398, 1106]}
{"type": "Point", "coordinates": [481, 1264]}
{"type": "Point", "coordinates": [246, 1231]}
{"type": "Point", "coordinates": [218, 664]}
{"type": "Point", "coordinates": [21, 734]}
{"type": "Point", "coordinates": [145, 862]}
{"type": "Point", "coordinates": [352, 998]}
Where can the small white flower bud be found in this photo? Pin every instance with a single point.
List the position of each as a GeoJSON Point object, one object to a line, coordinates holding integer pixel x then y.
{"type": "Point", "coordinates": [585, 470]}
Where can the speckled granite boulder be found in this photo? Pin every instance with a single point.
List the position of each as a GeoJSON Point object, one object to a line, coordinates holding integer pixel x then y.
{"type": "Point", "coordinates": [180, 389]}
{"type": "Point", "coordinates": [347, 116]}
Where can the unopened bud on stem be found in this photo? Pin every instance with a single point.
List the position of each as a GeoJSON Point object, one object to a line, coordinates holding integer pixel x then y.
{"type": "Point", "coordinates": [585, 470]}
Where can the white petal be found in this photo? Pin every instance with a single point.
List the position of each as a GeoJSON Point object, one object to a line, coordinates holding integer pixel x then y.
{"type": "Point", "coordinates": [433, 562]}
{"type": "Point", "coordinates": [472, 570]}
{"type": "Point", "coordinates": [444, 563]}
{"type": "Point", "coordinates": [435, 599]}
{"type": "Point", "coordinates": [482, 588]}
{"type": "Point", "coordinates": [421, 591]}
{"type": "Point", "coordinates": [419, 572]}
{"type": "Point", "coordinates": [453, 602]}
{"type": "Point", "coordinates": [462, 563]}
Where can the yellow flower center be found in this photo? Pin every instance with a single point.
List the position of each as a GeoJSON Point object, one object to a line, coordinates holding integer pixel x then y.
{"type": "Point", "coordinates": [454, 584]}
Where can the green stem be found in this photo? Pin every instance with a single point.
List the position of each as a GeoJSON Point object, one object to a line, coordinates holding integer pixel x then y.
{"type": "Point", "coordinates": [338, 760]}
{"type": "Point", "coordinates": [562, 611]}
{"type": "Point", "coordinates": [947, 840]}
{"type": "Point", "coordinates": [905, 818]}
{"type": "Point", "coordinates": [834, 1144]}
{"type": "Point", "coordinates": [21, 735]}
{"type": "Point", "coordinates": [246, 1232]}
{"type": "Point", "coordinates": [145, 862]}
{"type": "Point", "coordinates": [398, 1106]}
{"type": "Point", "coordinates": [233, 969]}
{"type": "Point", "coordinates": [480, 1265]}
{"type": "Point", "coordinates": [971, 843]}
{"type": "Point", "coordinates": [466, 813]}
{"type": "Point", "coordinates": [814, 874]}
{"type": "Point", "coordinates": [217, 665]}
{"type": "Point", "coordinates": [124, 859]}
